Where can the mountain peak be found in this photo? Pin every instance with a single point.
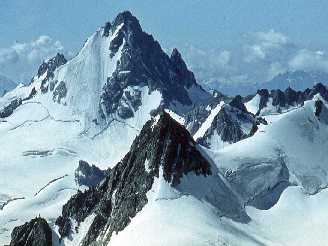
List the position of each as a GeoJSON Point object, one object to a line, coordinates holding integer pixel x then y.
{"type": "Point", "coordinates": [127, 18]}
{"type": "Point", "coordinates": [178, 61]}
{"type": "Point", "coordinates": [176, 55]}
{"type": "Point", "coordinates": [237, 102]}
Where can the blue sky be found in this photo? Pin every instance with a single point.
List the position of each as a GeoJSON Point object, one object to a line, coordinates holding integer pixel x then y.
{"type": "Point", "coordinates": [200, 22]}
{"type": "Point", "coordinates": [225, 40]}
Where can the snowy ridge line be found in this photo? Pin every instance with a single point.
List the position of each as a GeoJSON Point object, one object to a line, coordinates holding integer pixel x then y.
{"type": "Point", "coordinates": [62, 189]}
{"type": "Point", "coordinates": [49, 183]}
{"type": "Point", "coordinates": [103, 130]}
{"type": "Point", "coordinates": [49, 116]}
{"type": "Point", "coordinates": [52, 117]}
{"type": "Point", "coordinates": [29, 121]}
{"type": "Point", "coordinates": [9, 201]}
{"type": "Point", "coordinates": [129, 125]}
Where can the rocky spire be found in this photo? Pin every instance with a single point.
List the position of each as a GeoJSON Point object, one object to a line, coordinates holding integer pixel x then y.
{"type": "Point", "coordinates": [107, 28]}
{"type": "Point", "coordinates": [144, 63]}
{"type": "Point", "coordinates": [128, 19]}
{"type": "Point", "coordinates": [37, 232]}
{"type": "Point", "coordinates": [237, 102]}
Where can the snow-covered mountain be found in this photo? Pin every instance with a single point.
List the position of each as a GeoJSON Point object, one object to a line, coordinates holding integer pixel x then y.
{"type": "Point", "coordinates": [6, 85]}
{"type": "Point", "coordinates": [121, 146]}
{"type": "Point", "coordinates": [88, 108]}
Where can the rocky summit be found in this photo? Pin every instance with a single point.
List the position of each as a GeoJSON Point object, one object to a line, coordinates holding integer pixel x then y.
{"type": "Point", "coordinates": [37, 232]}
{"type": "Point", "coordinates": [143, 62]}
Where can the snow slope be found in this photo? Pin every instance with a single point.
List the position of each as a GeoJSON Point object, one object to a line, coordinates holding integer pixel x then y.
{"type": "Point", "coordinates": [207, 123]}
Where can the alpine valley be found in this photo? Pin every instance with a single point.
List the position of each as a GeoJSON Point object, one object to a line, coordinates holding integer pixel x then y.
{"type": "Point", "coordinates": [120, 146]}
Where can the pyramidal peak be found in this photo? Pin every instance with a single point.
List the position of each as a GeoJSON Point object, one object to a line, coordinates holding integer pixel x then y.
{"type": "Point", "coordinates": [115, 72]}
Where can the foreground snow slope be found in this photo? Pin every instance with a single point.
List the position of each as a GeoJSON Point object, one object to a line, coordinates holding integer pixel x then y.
{"type": "Point", "coordinates": [296, 220]}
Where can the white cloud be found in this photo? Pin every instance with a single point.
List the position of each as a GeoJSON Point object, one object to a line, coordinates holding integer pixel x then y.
{"type": "Point", "coordinates": [224, 58]}
{"type": "Point", "coordinates": [260, 57]}
{"type": "Point", "coordinates": [264, 45]}
{"type": "Point", "coordinates": [309, 60]}
{"type": "Point", "coordinates": [21, 60]}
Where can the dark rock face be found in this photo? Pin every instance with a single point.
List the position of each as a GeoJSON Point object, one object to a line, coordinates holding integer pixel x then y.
{"type": "Point", "coordinates": [142, 63]}
{"type": "Point", "coordinates": [129, 102]}
{"type": "Point", "coordinates": [117, 199]}
{"type": "Point", "coordinates": [318, 107]}
{"type": "Point", "coordinates": [87, 175]}
{"type": "Point", "coordinates": [31, 95]}
{"type": "Point", "coordinates": [107, 28]}
{"type": "Point", "coordinates": [78, 208]}
{"type": "Point", "coordinates": [264, 94]}
{"type": "Point", "coordinates": [59, 92]}
{"type": "Point", "coordinates": [321, 111]}
{"type": "Point", "coordinates": [51, 64]}
{"type": "Point", "coordinates": [9, 109]}
{"type": "Point", "coordinates": [237, 102]}
{"type": "Point", "coordinates": [290, 97]}
{"type": "Point", "coordinates": [34, 233]}
{"type": "Point", "coordinates": [318, 89]}
{"type": "Point", "coordinates": [228, 124]}
{"type": "Point", "coordinates": [278, 98]}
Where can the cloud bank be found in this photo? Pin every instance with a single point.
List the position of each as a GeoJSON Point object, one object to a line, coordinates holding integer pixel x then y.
{"type": "Point", "coordinates": [261, 57]}
{"type": "Point", "coordinates": [20, 61]}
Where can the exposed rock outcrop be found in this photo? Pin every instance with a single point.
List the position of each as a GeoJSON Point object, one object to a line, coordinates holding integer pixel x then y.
{"type": "Point", "coordinates": [34, 233]}
{"type": "Point", "coordinates": [89, 176]}
{"type": "Point", "coordinates": [283, 100]}
{"type": "Point", "coordinates": [51, 65]}
{"type": "Point", "coordinates": [9, 109]}
{"type": "Point", "coordinates": [232, 124]}
{"type": "Point", "coordinates": [321, 111]}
